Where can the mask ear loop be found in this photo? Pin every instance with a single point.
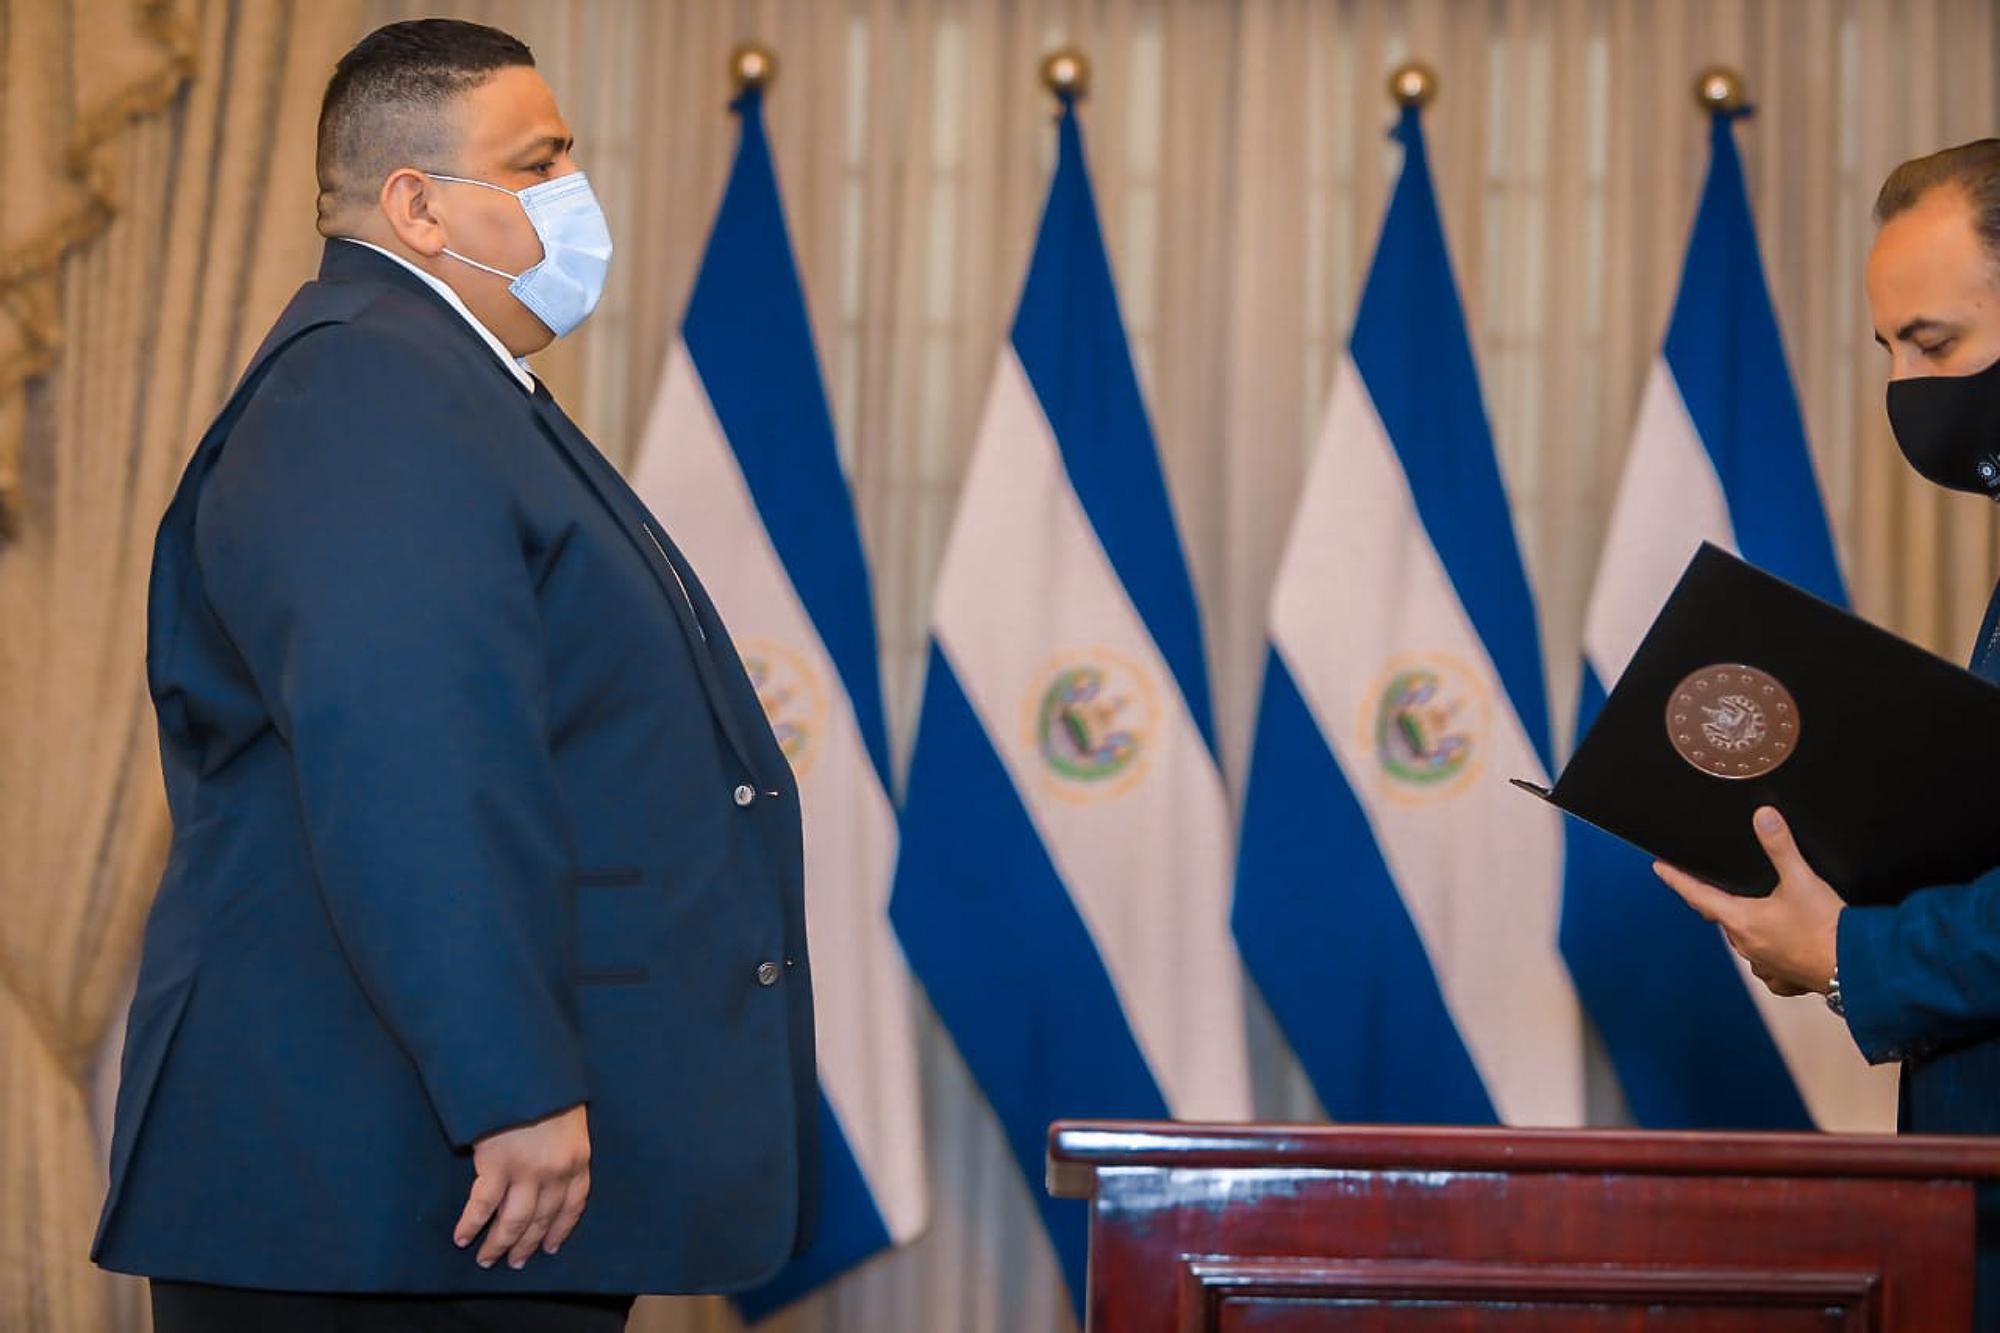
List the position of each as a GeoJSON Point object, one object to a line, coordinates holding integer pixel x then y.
{"type": "Point", "coordinates": [498, 273]}
{"type": "Point", "coordinates": [489, 185]}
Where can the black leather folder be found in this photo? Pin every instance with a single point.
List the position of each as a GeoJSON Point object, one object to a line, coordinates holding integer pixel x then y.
{"type": "Point", "coordinates": [1748, 691]}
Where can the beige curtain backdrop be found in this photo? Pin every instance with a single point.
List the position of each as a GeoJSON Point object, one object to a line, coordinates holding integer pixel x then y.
{"type": "Point", "coordinates": [70, 77]}
{"type": "Point", "coordinates": [1241, 163]}
{"type": "Point", "coordinates": [187, 233]}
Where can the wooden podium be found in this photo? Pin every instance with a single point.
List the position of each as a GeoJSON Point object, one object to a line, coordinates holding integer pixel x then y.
{"type": "Point", "coordinates": [1312, 1229]}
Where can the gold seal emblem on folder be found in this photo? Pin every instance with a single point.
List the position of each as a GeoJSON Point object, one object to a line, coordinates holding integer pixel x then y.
{"type": "Point", "coordinates": [1733, 721]}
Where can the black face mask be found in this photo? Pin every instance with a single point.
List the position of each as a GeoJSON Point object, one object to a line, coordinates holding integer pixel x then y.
{"type": "Point", "coordinates": [1948, 426]}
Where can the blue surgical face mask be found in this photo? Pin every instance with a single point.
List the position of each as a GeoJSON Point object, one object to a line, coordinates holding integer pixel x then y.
{"type": "Point", "coordinates": [563, 288]}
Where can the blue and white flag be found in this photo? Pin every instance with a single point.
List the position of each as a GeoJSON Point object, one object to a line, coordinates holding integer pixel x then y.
{"type": "Point", "coordinates": [739, 462]}
{"type": "Point", "coordinates": [1396, 900]}
{"type": "Point", "coordinates": [1719, 454]}
{"type": "Point", "coordinates": [1064, 887]}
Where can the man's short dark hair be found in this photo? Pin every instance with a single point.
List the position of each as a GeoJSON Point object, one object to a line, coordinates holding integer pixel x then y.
{"type": "Point", "coordinates": [1972, 167]}
{"type": "Point", "coordinates": [389, 100]}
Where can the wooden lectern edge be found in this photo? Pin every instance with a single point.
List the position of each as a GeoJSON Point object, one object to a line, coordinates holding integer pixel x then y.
{"type": "Point", "coordinates": [1079, 1149]}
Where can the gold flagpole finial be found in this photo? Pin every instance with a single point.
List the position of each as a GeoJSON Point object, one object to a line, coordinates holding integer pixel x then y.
{"type": "Point", "coordinates": [752, 65]}
{"type": "Point", "coordinates": [1414, 84]}
{"type": "Point", "coordinates": [1066, 72]}
{"type": "Point", "coordinates": [1719, 88]}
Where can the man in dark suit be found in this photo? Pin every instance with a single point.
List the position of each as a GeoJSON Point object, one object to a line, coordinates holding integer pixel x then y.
{"type": "Point", "coordinates": [475, 993]}
{"type": "Point", "coordinates": [1918, 982]}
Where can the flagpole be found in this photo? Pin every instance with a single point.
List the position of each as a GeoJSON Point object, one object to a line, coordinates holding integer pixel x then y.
{"type": "Point", "coordinates": [1413, 84]}
{"type": "Point", "coordinates": [1066, 73]}
{"type": "Point", "coordinates": [752, 65]}
{"type": "Point", "coordinates": [1719, 90]}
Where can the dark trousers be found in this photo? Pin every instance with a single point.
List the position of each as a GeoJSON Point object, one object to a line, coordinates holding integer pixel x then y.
{"type": "Point", "coordinates": [194, 1307]}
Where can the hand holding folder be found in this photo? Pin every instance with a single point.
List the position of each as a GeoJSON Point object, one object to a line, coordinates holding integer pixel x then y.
{"type": "Point", "coordinates": [1790, 938]}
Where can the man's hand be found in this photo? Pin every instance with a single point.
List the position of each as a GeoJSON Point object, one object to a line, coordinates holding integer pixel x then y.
{"type": "Point", "coordinates": [535, 1177]}
{"type": "Point", "coordinates": [1789, 938]}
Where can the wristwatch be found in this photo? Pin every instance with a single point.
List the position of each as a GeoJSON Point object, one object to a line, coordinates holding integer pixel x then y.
{"type": "Point", "coordinates": [1833, 1000]}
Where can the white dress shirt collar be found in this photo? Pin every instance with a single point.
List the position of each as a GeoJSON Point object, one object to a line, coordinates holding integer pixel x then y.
{"type": "Point", "coordinates": [516, 366]}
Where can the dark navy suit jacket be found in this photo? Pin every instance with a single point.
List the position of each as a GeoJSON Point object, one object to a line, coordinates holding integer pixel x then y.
{"type": "Point", "coordinates": [476, 817]}
{"type": "Point", "coordinates": [1921, 983]}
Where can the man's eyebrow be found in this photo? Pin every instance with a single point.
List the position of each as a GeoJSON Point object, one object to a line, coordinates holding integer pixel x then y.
{"type": "Point", "coordinates": [1922, 324]}
{"type": "Point", "coordinates": [548, 143]}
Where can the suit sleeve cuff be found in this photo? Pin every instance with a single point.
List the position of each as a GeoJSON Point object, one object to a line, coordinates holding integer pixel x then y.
{"type": "Point", "coordinates": [495, 1084]}
{"type": "Point", "coordinates": [1861, 940]}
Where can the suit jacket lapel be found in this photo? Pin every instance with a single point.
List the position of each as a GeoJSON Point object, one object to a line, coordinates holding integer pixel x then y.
{"type": "Point", "coordinates": [676, 579]}
{"type": "Point", "coordinates": [1986, 653]}
{"type": "Point", "coordinates": [342, 263]}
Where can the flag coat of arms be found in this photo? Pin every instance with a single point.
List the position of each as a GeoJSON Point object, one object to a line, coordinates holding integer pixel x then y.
{"type": "Point", "coordinates": [1718, 454]}
{"type": "Point", "coordinates": [740, 463]}
{"type": "Point", "coordinates": [1063, 890]}
{"type": "Point", "coordinates": [1396, 900]}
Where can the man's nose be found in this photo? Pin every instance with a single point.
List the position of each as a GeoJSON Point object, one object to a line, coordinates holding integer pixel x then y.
{"type": "Point", "coordinates": [1906, 363]}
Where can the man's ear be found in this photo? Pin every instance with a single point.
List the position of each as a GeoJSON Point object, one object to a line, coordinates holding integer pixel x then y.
{"type": "Point", "coordinates": [405, 201]}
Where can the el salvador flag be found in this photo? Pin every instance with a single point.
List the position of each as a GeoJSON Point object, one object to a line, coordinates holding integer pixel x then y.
{"type": "Point", "coordinates": [1063, 892]}
{"type": "Point", "coordinates": [1719, 454]}
{"type": "Point", "coordinates": [739, 461]}
{"type": "Point", "coordinates": [1396, 900]}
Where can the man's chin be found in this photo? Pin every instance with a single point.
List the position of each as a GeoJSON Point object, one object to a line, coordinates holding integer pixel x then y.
{"type": "Point", "coordinates": [532, 337]}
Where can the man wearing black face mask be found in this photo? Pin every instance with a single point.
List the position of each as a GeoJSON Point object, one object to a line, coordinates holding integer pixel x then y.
{"type": "Point", "coordinates": [1918, 982]}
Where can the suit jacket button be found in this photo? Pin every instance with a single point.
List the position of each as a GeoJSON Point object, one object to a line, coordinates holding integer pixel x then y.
{"type": "Point", "coordinates": [767, 974]}
{"type": "Point", "coordinates": [745, 794]}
